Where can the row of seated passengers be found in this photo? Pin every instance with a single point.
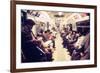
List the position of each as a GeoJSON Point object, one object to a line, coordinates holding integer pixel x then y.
{"type": "Point", "coordinates": [36, 48]}
{"type": "Point", "coordinates": [77, 44]}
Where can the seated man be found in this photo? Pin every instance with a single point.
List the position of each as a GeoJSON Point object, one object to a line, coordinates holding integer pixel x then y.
{"type": "Point", "coordinates": [30, 45]}
{"type": "Point", "coordinates": [86, 54]}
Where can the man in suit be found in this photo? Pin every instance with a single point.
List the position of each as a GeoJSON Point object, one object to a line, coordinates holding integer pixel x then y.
{"type": "Point", "coordinates": [30, 46]}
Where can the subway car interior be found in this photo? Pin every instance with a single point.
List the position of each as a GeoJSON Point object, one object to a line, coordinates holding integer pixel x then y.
{"type": "Point", "coordinates": [49, 36]}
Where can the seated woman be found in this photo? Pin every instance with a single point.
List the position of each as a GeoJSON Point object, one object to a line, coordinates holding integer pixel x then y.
{"type": "Point", "coordinates": [78, 48]}
{"type": "Point", "coordinates": [47, 44]}
{"type": "Point", "coordinates": [71, 38]}
{"type": "Point", "coordinates": [48, 49]}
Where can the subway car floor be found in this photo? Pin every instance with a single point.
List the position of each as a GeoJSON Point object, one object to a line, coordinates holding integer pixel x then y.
{"type": "Point", "coordinates": [60, 53]}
